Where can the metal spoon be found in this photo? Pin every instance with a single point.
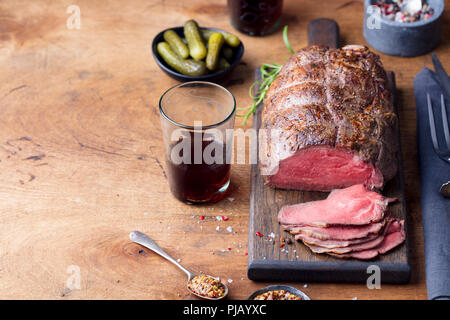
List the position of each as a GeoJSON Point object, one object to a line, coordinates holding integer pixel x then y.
{"type": "Point", "coordinates": [146, 241]}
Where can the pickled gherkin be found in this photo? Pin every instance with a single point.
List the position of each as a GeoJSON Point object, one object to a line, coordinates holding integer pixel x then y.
{"type": "Point", "coordinates": [197, 48]}
{"type": "Point", "coordinates": [230, 39]}
{"type": "Point", "coordinates": [215, 44]}
{"type": "Point", "coordinates": [222, 64]}
{"type": "Point", "coordinates": [176, 43]}
{"type": "Point", "coordinates": [227, 52]}
{"type": "Point", "coordinates": [187, 67]}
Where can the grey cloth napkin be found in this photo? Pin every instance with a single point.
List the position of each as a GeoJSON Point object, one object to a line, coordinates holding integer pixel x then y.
{"type": "Point", "coordinates": [433, 173]}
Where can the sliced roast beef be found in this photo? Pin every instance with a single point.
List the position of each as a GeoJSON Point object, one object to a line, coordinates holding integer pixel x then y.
{"type": "Point", "coordinates": [345, 233]}
{"type": "Point", "coordinates": [354, 205]}
{"type": "Point", "coordinates": [390, 241]}
{"type": "Point", "coordinates": [332, 243]}
{"type": "Point", "coordinates": [350, 223]}
{"type": "Point", "coordinates": [329, 122]}
{"type": "Point", "coordinates": [353, 248]}
{"type": "Point", "coordinates": [373, 243]}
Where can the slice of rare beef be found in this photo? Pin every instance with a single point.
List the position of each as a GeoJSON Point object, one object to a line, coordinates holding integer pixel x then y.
{"type": "Point", "coordinates": [338, 232]}
{"type": "Point", "coordinates": [354, 205]}
{"type": "Point", "coordinates": [333, 243]}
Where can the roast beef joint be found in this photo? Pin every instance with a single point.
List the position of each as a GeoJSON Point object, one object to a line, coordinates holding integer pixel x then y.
{"type": "Point", "coordinates": [329, 122]}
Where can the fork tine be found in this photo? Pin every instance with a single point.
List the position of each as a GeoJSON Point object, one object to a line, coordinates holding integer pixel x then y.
{"type": "Point", "coordinates": [445, 122]}
{"type": "Point", "coordinates": [432, 126]}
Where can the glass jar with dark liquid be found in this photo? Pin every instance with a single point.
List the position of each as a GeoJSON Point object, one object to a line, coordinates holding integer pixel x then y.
{"type": "Point", "coordinates": [197, 120]}
{"type": "Point", "coordinates": [255, 17]}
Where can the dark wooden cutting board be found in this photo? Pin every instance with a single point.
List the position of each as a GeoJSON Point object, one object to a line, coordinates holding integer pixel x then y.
{"type": "Point", "coordinates": [295, 262]}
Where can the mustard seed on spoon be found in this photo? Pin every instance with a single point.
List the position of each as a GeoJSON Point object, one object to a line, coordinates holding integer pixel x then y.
{"type": "Point", "coordinates": [201, 285]}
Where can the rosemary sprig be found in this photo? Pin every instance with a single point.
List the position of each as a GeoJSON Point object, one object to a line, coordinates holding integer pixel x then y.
{"type": "Point", "coordinates": [268, 74]}
{"type": "Point", "coordinates": [285, 39]}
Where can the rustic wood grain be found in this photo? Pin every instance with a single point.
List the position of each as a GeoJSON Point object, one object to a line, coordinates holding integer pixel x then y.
{"type": "Point", "coordinates": [81, 158]}
{"type": "Point", "coordinates": [270, 260]}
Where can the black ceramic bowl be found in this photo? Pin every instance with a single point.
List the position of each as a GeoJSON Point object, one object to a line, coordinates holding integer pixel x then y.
{"type": "Point", "coordinates": [290, 289]}
{"type": "Point", "coordinates": [238, 52]}
{"type": "Point", "coordinates": [407, 39]}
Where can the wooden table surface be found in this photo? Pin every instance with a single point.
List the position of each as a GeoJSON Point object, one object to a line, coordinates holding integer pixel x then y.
{"type": "Point", "coordinates": [81, 156]}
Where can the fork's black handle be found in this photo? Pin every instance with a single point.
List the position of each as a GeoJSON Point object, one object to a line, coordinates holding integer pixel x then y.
{"type": "Point", "coordinates": [323, 31]}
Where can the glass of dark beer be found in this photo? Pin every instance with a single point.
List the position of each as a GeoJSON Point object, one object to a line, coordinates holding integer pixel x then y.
{"type": "Point", "coordinates": [255, 17]}
{"type": "Point", "coordinates": [197, 120]}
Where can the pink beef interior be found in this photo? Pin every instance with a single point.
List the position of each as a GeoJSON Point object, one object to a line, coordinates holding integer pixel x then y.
{"type": "Point", "coordinates": [354, 205]}
{"type": "Point", "coordinates": [323, 168]}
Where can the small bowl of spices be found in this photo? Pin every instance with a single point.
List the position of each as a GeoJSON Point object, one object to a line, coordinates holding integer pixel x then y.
{"type": "Point", "coordinates": [404, 28]}
{"type": "Point", "coordinates": [278, 292]}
